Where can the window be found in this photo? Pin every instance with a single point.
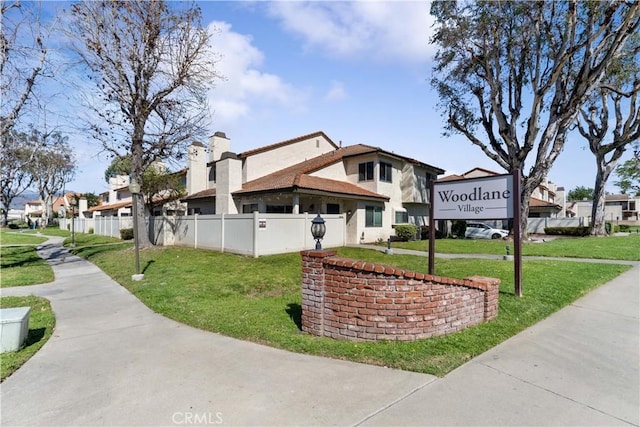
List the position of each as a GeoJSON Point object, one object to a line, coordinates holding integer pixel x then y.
{"type": "Point", "coordinates": [279, 208]}
{"type": "Point", "coordinates": [373, 216]}
{"type": "Point", "coordinates": [365, 171]}
{"type": "Point", "coordinates": [250, 208]}
{"type": "Point", "coordinates": [212, 173]}
{"type": "Point", "coordinates": [402, 217]}
{"type": "Point", "coordinates": [385, 171]}
{"type": "Point", "coordinates": [333, 208]}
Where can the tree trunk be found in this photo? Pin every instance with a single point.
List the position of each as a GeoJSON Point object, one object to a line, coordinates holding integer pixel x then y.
{"type": "Point", "coordinates": [140, 223]}
{"type": "Point", "coordinates": [598, 220]}
{"type": "Point", "coordinates": [525, 197]}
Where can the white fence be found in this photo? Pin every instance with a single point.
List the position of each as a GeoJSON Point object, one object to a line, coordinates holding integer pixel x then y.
{"type": "Point", "coordinates": [537, 225]}
{"type": "Point", "coordinates": [253, 234]}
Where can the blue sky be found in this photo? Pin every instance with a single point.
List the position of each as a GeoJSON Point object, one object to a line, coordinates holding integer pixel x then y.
{"type": "Point", "coordinates": [359, 71]}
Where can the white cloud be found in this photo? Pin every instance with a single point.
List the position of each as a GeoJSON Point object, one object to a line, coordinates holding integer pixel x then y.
{"type": "Point", "coordinates": [336, 92]}
{"type": "Point", "coordinates": [383, 30]}
{"type": "Point", "coordinates": [245, 89]}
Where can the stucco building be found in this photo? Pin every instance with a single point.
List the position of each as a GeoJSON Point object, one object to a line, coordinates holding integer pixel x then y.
{"type": "Point", "coordinates": [376, 189]}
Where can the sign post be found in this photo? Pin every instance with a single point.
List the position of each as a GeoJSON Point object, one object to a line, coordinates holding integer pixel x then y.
{"type": "Point", "coordinates": [492, 197]}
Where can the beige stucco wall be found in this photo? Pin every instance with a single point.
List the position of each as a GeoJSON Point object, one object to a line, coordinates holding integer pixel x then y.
{"type": "Point", "coordinates": [264, 163]}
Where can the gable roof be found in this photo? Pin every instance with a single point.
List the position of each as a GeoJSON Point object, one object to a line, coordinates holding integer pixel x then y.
{"type": "Point", "coordinates": [296, 176]}
{"type": "Point", "coordinates": [204, 194]}
{"type": "Point", "coordinates": [285, 143]}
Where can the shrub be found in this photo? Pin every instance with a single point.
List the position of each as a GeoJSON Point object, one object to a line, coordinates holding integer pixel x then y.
{"type": "Point", "coordinates": [91, 230]}
{"type": "Point", "coordinates": [567, 231]}
{"type": "Point", "coordinates": [405, 232]}
{"type": "Point", "coordinates": [611, 227]}
{"type": "Point", "coordinates": [126, 233]}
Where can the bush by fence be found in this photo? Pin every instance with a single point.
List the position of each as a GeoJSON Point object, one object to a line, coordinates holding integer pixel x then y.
{"type": "Point", "coordinates": [567, 231]}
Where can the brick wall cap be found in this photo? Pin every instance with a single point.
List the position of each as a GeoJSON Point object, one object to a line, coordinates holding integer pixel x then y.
{"type": "Point", "coordinates": [318, 254]}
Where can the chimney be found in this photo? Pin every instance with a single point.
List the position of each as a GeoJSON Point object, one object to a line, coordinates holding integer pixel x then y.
{"type": "Point", "coordinates": [218, 144]}
{"type": "Point", "coordinates": [196, 168]}
{"type": "Point", "coordinates": [228, 180]}
{"type": "Point", "coordinates": [82, 207]}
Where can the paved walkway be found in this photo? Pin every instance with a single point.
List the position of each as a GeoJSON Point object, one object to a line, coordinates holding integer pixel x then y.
{"type": "Point", "coordinates": [112, 361]}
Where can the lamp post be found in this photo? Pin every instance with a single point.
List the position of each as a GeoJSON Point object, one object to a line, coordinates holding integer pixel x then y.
{"type": "Point", "coordinates": [73, 224]}
{"type": "Point", "coordinates": [318, 228]}
{"type": "Point", "coordinates": [134, 188]}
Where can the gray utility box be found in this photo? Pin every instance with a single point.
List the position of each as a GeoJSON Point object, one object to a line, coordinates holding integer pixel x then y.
{"type": "Point", "coordinates": [14, 328]}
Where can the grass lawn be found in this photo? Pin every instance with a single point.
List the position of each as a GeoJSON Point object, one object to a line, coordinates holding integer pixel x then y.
{"type": "Point", "coordinates": [21, 265]}
{"type": "Point", "coordinates": [14, 237]}
{"type": "Point", "coordinates": [41, 324]}
{"type": "Point", "coordinates": [258, 299]}
{"type": "Point", "coordinates": [612, 247]}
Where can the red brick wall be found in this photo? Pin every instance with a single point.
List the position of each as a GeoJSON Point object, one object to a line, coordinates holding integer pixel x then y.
{"type": "Point", "coordinates": [348, 299]}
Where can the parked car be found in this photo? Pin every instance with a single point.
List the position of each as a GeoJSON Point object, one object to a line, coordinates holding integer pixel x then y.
{"type": "Point", "coordinates": [480, 230]}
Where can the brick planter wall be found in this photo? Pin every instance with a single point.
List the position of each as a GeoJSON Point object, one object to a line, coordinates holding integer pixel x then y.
{"type": "Point", "coordinates": [356, 300]}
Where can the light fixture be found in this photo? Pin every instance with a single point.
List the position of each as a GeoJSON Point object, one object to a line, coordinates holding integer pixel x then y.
{"type": "Point", "coordinates": [318, 228]}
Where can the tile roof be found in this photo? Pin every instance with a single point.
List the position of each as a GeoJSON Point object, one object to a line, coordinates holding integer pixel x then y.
{"type": "Point", "coordinates": [110, 206]}
{"type": "Point", "coordinates": [538, 203]}
{"type": "Point", "coordinates": [617, 197]}
{"type": "Point", "coordinates": [210, 192]}
{"type": "Point", "coordinates": [296, 176]}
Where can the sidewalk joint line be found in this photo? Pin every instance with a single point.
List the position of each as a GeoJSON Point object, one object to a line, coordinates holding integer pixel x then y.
{"type": "Point", "coordinates": [395, 402]}
{"type": "Point", "coordinates": [522, 380]}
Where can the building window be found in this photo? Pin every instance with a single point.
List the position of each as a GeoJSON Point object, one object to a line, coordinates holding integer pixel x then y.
{"type": "Point", "coordinates": [385, 171]}
{"type": "Point", "coordinates": [212, 173]}
{"type": "Point", "coordinates": [333, 208]}
{"type": "Point", "coordinates": [193, 211]}
{"type": "Point", "coordinates": [279, 209]}
{"type": "Point", "coordinates": [250, 208]}
{"type": "Point", "coordinates": [402, 217]}
{"type": "Point", "coordinates": [373, 216]}
{"type": "Point", "coordinates": [365, 171]}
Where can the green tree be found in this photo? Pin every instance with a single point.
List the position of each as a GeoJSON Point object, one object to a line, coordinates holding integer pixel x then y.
{"type": "Point", "coordinates": [92, 199]}
{"type": "Point", "coordinates": [120, 165]}
{"type": "Point", "coordinates": [512, 75]}
{"type": "Point", "coordinates": [629, 174]}
{"type": "Point", "coordinates": [580, 193]}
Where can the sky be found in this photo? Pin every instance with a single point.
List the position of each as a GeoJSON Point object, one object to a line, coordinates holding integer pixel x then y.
{"type": "Point", "coordinates": [358, 71]}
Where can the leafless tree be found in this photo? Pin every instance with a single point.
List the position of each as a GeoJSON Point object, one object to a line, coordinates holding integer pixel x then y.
{"type": "Point", "coordinates": [52, 167]}
{"type": "Point", "coordinates": [512, 75]}
{"type": "Point", "coordinates": [609, 137]}
{"type": "Point", "coordinates": [152, 64]}
{"type": "Point", "coordinates": [15, 178]}
{"type": "Point", "coordinates": [23, 66]}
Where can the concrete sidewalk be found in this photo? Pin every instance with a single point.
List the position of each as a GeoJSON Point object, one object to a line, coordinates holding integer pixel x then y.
{"type": "Point", "coordinates": [112, 361]}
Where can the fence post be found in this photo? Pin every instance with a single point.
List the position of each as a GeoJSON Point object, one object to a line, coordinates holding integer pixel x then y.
{"type": "Point", "coordinates": [195, 231]}
{"type": "Point", "coordinates": [222, 231]}
{"type": "Point", "coordinates": [255, 234]}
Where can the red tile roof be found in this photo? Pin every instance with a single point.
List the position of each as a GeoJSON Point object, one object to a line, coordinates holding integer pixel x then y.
{"type": "Point", "coordinates": [296, 176]}
{"type": "Point", "coordinates": [210, 192]}
{"type": "Point", "coordinates": [110, 207]}
{"type": "Point", "coordinates": [537, 203]}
